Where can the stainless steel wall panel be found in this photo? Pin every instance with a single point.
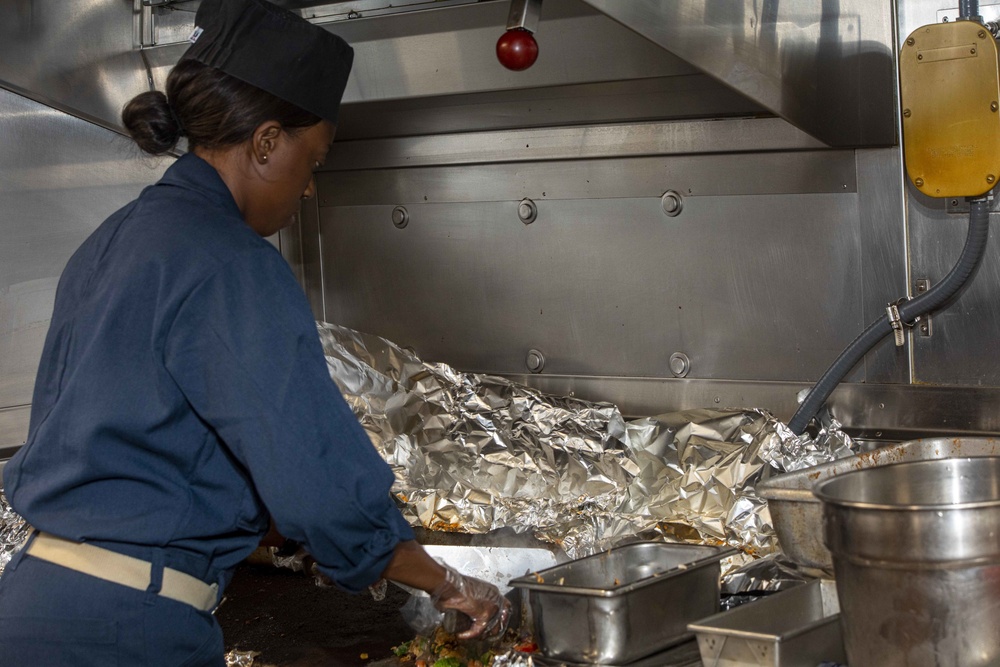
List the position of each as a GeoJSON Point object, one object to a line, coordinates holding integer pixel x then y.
{"type": "Point", "coordinates": [826, 67]}
{"type": "Point", "coordinates": [566, 143]}
{"type": "Point", "coordinates": [882, 234]}
{"type": "Point", "coordinates": [605, 286]}
{"type": "Point", "coordinates": [59, 178]}
{"type": "Point", "coordinates": [962, 346]}
{"type": "Point", "coordinates": [871, 411]}
{"type": "Point", "coordinates": [698, 175]}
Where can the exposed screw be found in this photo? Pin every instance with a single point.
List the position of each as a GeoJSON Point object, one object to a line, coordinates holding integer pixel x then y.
{"type": "Point", "coordinates": [906, 113]}
{"type": "Point", "coordinates": [680, 365]}
{"type": "Point", "coordinates": [527, 211]}
{"type": "Point", "coordinates": [990, 178]}
{"type": "Point", "coordinates": [672, 203]}
{"type": "Point", "coordinates": [981, 34]}
{"type": "Point", "coordinates": [919, 182]}
{"type": "Point", "coordinates": [909, 41]}
{"type": "Point", "coordinates": [972, 51]}
{"type": "Point", "coordinates": [924, 329]}
{"type": "Point", "coordinates": [994, 106]}
{"type": "Point", "coordinates": [400, 217]}
{"type": "Point", "coordinates": [920, 56]}
{"type": "Point", "coordinates": [535, 361]}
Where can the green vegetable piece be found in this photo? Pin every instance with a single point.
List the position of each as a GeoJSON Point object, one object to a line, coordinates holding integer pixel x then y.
{"type": "Point", "coordinates": [448, 662]}
{"type": "Point", "coordinates": [402, 649]}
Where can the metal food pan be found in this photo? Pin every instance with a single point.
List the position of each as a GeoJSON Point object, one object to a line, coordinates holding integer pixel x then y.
{"type": "Point", "coordinates": [623, 604]}
{"type": "Point", "coordinates": [797, 515]}
{"type": "Point", "coordinates": [799, 627]}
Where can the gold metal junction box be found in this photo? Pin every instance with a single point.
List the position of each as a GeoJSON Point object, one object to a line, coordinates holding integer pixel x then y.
{"type": "Point", "coordinates": [950, 87]}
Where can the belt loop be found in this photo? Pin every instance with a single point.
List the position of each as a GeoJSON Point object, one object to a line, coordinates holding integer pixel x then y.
{"type": "Point", "coordinates": [155, 575]}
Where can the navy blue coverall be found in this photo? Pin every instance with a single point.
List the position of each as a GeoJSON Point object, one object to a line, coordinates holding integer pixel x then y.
{"type": "Point", "coordinates": [182, 397]}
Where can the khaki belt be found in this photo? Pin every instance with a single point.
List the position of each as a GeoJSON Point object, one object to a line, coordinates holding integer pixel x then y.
{"type": "Point", "coordinates": [121, 569]}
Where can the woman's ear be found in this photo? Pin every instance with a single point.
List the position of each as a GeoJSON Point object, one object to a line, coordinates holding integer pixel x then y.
{"type": "Point", "coordinates": [265, 140]}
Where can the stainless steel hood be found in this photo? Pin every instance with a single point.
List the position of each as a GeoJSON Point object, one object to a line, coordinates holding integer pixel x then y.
{"type": "Point", "coordinates": [429, 67]}
{"type": "Point", "coordinates": [827, 67]}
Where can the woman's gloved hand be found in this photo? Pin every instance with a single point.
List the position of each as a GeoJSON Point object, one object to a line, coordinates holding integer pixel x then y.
{"type": "Point", "coordinates": [477, 599]}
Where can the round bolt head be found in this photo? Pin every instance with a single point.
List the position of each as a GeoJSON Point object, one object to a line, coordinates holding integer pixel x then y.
{"type": "Point", "coordinates": [680, 365]}
{"type": "Point", "coordinates": [981, 34]}
{"type": "Point", "coordinates": [990, 178]}
{"type": "Point", "coordinates": [919, 182]}
{"type": "Point", "coordinates": [400, 217]}
{"type": "Point", "coordinates": [906, 113]}
{"type": "Point", "coordinates": [535, 361]}
{"type": "Point", "coordinates": [527, 211]}
{"type": "Point", "coordinates": [672, 203]}
{"type": "Point", "coordinates": [909, 41]}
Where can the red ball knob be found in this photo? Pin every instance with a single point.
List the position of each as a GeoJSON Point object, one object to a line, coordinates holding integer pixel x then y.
{"type": "Point", "coordinates": [517, 49]}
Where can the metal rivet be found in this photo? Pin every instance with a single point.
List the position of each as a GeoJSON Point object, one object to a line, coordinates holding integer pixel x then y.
{"type": "Point", "coordinates": [400, 217]}
{"type": "Point", "coordinates": [527, 212]}
{"type": "Point", "coordinates": [972, 51]}
{"type": "Point", "coordinates": [909, 41]}
{"type": "Point", "coordinates": [680, 365]}
{"type": "Point", "coordinates": [920, 56]}
{"type": "Point", "coordinates": [919, 182]}
{"type": "Point", "coordinates": [535, 361]}
{"type": "Point", "coordinates": [672, 203]}
{"type": "Point", "coordinates": [994, 106]}
{"type": "Point", "coordinates": [981, 34]}
{"type": "Point", "coordinates": [990, 178]}
{"type": "Point", "coordinates": [906, 113]}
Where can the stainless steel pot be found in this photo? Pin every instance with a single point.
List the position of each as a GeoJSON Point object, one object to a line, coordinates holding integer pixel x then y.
{"type": "Point", "coordinates": [916, 551]}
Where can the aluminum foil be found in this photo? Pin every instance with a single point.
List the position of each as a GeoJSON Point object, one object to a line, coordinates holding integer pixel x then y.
{"type": "Point", "coordinates": [474, 453]}
{"type": "Point", "coordinates": [13, 532]}
{"type": "Point", "coordinates": [241, 658]}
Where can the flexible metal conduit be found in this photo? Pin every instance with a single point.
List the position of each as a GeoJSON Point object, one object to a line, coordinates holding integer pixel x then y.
{"type": "Point", "coordinates": [972, 254]}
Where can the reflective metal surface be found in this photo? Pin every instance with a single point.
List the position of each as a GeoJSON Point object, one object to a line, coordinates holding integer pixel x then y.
{"type": "Point", "coordinates": [955, 352]}
{"type": "Point", "coordinates": [59, 178]}
{"type": "Point", "coordinates": [825, 67]}
{"type": "Point", "coordinates": [589, 141]}
{"type": "Point", "coordinates": [882, 231]}
{"type": "Point", "coordinates": [436, 71]}
{"type": "Point", "coordinates": [917, 555]}
{"type": "Point", "coordinates": [603, 282]}
{"type": "Point", "coordinates": [622, 605]}
{"type": "Point", "coordinates": [797, 513]}
{"type": "Point", "coordinates": [79, 56]}
{"type": "Point", "coordinates": [793, 628]}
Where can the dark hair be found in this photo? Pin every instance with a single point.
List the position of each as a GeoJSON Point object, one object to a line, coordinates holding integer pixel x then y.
{"type": "Point", "coordinates": [211, 108]}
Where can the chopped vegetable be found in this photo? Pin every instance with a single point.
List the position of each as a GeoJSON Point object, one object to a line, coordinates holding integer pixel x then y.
{"type": "Point", "coordinates": [450, 661]}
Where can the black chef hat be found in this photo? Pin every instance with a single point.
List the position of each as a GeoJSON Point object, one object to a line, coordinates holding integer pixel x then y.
{"type": "Point", "coordinates": [274, 50]}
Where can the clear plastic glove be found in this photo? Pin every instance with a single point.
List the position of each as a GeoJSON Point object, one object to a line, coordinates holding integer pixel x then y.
{"type": "Point", "coordinates": [480, 601]}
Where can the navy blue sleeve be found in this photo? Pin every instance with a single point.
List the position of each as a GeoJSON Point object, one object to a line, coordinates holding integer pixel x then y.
{"type": "Point", "coordinates": [244, 350]}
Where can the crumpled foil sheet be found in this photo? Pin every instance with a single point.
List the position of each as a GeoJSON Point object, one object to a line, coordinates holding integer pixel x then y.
{"type": "Point", "coordinates": [241, 658]}
{"type": "Point", "coordinates": [13, 532]}
{"type": "Point", "coordinates": [474, 453]}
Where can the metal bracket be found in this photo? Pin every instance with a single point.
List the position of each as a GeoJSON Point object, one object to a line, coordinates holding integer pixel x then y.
{"type": "Point", "coordinates": [524, 14]}
{"type": "Point", "coordinates": [926, 329]}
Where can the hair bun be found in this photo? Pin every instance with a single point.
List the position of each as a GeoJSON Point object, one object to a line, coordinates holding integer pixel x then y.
{"type": "Point", "coordinates": [151, 123]}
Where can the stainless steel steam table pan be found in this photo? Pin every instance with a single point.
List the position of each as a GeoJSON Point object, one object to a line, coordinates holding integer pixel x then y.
{"type": "Point", "coordinates": [624, 604]}
{"type": "Point", "coordinates": [798, 516]}
{"type": "Point", "coordinates": [799, 627]}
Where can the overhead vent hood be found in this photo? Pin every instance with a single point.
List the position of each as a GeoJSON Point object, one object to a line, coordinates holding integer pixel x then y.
{"type": "Point", "coordinates": [426, 67]}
